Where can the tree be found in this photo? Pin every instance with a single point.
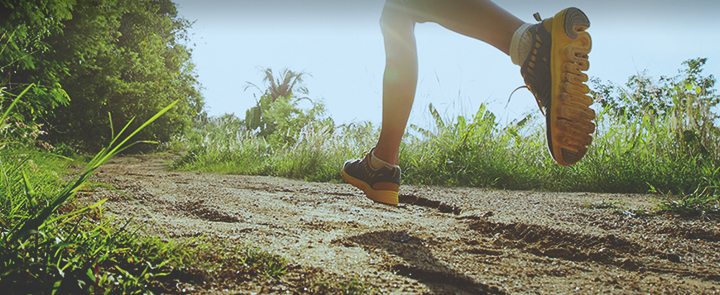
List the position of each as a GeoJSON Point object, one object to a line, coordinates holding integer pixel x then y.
{"type": "Point", "coordinates": [256, 118]}
{"type": "Point", "coordinates": [277, 114]}
{"type": "Point", "coordinates": [126, 58]}
{"type": "Point", "coordinates": [25, 27]}
{"type": "Point", "coordinates": [286, 85]}
{"type": "Point", "coordinates": [643, 95]}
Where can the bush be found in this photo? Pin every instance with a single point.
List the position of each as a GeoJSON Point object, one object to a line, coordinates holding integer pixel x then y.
{"type": "Point", "coordinates": [91, 58]}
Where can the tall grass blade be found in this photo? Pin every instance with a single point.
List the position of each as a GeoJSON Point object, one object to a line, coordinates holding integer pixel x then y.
{"type": "Point", "coordinates": [31, 225]}
{"type": "Point", "coordinates": [7, 112]}
{"type": "Point", "coordinates": [29, 193]}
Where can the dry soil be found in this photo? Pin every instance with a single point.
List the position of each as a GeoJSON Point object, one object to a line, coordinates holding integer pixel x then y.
{"type": "Point", "coordinates": [438, 241]}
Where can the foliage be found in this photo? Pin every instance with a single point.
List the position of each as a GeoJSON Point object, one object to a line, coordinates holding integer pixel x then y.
{"type": "Point", "coordinates": [48, 246]}
{"type": "Point", "coordinates": [676, 151]}
{"type": "Point", "coordinates": [18, 133]}
{"type": "Point", "coordinates": [702, 201]}
{"type": "Point", "coordinates": [276, 114]}
{"type": "Point", "coordinates": [24, 30]}
{"type": "Point", "coordinates": [124, 57]}
{"type": "Point", "coordinates": [645, 96]}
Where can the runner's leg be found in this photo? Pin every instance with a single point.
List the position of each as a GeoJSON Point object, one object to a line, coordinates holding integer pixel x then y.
{"type": "Point", "coordinates": [479, 19]}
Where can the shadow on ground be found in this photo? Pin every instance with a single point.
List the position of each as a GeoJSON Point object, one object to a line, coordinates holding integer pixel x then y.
{"type": "Point", "coordinates": [418, 263]}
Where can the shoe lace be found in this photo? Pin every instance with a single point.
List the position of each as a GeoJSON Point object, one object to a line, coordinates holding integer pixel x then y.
{"type": "Point", "coordinates": [542, 110]}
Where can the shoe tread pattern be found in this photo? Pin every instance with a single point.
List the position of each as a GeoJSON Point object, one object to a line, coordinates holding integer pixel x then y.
{"type": "Point", "coordinates": [565, 102]}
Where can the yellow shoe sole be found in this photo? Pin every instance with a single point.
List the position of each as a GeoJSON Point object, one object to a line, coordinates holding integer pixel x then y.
{"type": "Point", "coordinates": [389, 197]}
{"type": "Point", "coordinates": [569, 118]}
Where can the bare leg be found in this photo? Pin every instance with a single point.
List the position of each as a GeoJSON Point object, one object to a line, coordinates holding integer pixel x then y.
{"type": "Point", "coordinates": [480, 19]}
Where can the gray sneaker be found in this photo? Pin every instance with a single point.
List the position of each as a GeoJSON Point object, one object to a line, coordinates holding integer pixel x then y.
{"type": "Point", "coordinates": [381, 185]}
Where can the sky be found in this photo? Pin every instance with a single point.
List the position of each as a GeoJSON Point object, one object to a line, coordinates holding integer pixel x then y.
{"type": "Point", "coordinates": [339, 45]}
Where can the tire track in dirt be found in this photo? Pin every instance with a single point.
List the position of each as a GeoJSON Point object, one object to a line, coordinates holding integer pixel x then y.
{"type": "Point", "coordinates": [438, 241]}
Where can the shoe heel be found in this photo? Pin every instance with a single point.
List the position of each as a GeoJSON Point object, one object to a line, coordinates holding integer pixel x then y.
{"type": "Point", "coordinates": [575, 21]}
{"type": "Point", "coordinates": [386, 197]}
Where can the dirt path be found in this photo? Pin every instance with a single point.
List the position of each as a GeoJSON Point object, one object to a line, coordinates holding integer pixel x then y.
{"type": "Point", "coordinates": [439, 240]}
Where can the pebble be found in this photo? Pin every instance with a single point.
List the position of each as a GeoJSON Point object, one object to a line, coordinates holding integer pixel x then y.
{"type": "Point", "coordinates": [673, 257]}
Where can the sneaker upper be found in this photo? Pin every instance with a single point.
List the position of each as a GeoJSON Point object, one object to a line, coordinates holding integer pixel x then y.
{"type": "Point", "coordinates": [378, 179]}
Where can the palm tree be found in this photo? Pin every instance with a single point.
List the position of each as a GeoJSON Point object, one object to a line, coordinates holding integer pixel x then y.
{"type": "Point", "coordinates": [288, 83]}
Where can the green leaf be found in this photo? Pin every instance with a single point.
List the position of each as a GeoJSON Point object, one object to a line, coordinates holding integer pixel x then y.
{"type": "Point", "coordinates": [689, 86]}
{"type": "Point", "coordinates": [29, 193]}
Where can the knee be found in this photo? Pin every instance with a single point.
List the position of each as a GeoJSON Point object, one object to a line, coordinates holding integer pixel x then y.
{"type": "Point", "coordinates": [395, 16]}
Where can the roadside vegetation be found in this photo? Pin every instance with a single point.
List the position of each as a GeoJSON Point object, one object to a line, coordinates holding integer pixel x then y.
{"type": "Point", "coordinates": [89, 58]}
{"type": "Point", "coordinates": [658, 136]}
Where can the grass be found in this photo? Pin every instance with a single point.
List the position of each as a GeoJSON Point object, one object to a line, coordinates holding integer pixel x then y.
{"type": "Point", "coordinates": [223, 145]}
{"type": "Point", "coordinates": [702, 201]}
{"type": "Point", "coordinates": [627, 155]}
{"type": "Point", "coordinates": [49, 245]}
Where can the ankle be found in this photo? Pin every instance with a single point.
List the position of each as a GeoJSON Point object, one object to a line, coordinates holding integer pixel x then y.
{"type": "Point", "coordinates": [520, 44]}
{"type": "Point", "coordinates": [377, 163]}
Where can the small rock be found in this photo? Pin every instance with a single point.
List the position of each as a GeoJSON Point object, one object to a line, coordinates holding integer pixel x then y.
{"type": "Point", "coordinates": [628, 264]}
{"type": "Point", "coordinates": [673, 257]}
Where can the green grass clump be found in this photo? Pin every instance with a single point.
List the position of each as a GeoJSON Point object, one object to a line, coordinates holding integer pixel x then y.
{"type": "Point", "coordinates": [330, 286]}
{"type": "Point", "coordinates": [50, 246]}
{"type": "Point", "coordinates": [82, 253]}
{"type": "Point", "coordinates": [702, 201]}
{"type": "Point", "coordinates": [354, 287]}
{"type": "Point", "coordinates": [474, 152]}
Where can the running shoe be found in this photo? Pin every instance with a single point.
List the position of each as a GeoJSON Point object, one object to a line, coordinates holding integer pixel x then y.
{"type": "Point", "coordinates": [553, 73]}
{"type": "Point", "coordinates": [380, 185]}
